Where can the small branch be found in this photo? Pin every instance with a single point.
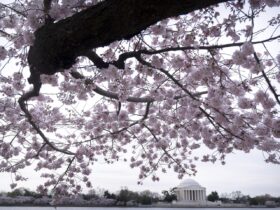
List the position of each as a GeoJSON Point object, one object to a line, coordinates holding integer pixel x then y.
{"type": "Point", "coordinates": [47, 6]}
{"type": "Point", "coordinates": [22, 103]}
{"type": "Point", "coordinates": [13, 9]}
{"type": "Point", "coordinates": [65, 172]}
{"type": "Point", "coordinates": [208, 116]}
{"type": "Point", "coordinates": [23, 160]}
{"type": "Point", "coordinates": [211, 47]}
{"type": "Point", "coordinates": [98, 62]}
{"type": "Point", "coordinates": [145, 116]}
{"type": "Point", "coordinates": [142, 61]}
{"type": "Point", "coordinates": [163, 149]}
{"type": "Point", "coordinates": [276, 96]}
{"type": "Point", "coordinates": [119, 108]}
{"type": "Point", "coordinates": [112, 95]}
{"type": "Point", "coordinates": [7, 35]}
{"type": "Point", "coordinates": [120, 63]}
{"type": "Point", "coordinates": [136, 122]}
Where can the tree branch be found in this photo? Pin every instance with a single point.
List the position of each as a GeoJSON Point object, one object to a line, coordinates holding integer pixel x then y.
{"type": "Point", "coordinates": [100, 25]}
{"type": "Point", "coordinates": [164, 149]}
{"type": "Point", "coordinates": [47, 6]}
{"type": "Point", "coordinates": [5, 34]}
{"type": "Point", "coordinates": [22, 103]}
{"type": "Point", "coordinates": [112, 95]}
{"type": "Point", "coordinates": [120, 63]}
{"type": "Point", "coordinates": [13, 9]}
{"type": "Point", "coordinates": [271, 88]}
{"type": "Point", "coordinates": [59, 179]}
{"type": "Point", "coordinates": [192, 96]}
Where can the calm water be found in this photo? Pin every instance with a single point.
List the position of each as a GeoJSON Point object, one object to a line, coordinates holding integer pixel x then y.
{"type": "Point", "coordinates": [115, 208]}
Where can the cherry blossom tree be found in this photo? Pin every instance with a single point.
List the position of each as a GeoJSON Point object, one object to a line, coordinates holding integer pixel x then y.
{"type": "Point", "coordinates": [143, 81]}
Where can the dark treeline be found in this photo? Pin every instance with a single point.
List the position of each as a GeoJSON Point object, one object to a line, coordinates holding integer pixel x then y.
{"type": "Point", "coordinates": [126, 197]}
{"type": "Point", "coordinates": [237, 197]}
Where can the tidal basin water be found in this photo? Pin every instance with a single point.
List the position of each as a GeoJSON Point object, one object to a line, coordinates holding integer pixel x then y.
{"type": "Point", "coordinates": [118, 208]}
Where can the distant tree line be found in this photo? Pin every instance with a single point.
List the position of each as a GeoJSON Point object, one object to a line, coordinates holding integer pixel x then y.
{"type": "Point", "coordinates": [126, 197]}
{"type": "Point", "coordinates": [238, 197]}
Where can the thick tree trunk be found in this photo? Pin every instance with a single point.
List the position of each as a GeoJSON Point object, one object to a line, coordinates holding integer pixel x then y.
{"type": "Point", "coordinates": [57, 45]}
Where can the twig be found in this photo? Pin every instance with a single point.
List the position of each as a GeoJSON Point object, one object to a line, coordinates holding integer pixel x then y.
{"type": "Point", "coordinates": [22, 103]}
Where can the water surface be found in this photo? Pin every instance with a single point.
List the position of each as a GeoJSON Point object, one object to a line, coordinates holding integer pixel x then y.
{"type": "Point", "coordinates": [118, 208]}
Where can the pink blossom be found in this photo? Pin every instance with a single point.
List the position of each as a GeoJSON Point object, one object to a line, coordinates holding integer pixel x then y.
{"type": "Point", "coordinates": [245, 103]}
{"type": "Point", "coordinates": [278, 59]}
{"type": "Point", "coordinates": [276, 128]}
{"type": "Point", "coordinates": [157, 62]}
{"type": "Point", "coordinates": [262, 130]}
{"type": "Point", "coordinates": [247, 48]}
{"type": "Point", "coordinates": [157, 29]}
{"type": "Point", "coordinates": [123, 115]}
{"type": "Point", "coordinates": [3, 53]}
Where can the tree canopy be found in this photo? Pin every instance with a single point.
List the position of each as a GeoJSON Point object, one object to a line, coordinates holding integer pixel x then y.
{"type": "Point", "coordinates": [143, 81]}
{"type": "Point", "coordinates": [213, 196]}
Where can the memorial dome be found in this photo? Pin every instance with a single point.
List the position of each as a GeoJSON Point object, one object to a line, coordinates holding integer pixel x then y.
{"type": "Point", "coordinates": [189, 183]}
{"type": "Point", "coordinates": [190, 192]}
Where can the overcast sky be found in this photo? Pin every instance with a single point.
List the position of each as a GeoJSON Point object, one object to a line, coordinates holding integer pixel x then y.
{"type": "Point", "coordinates": [247, 173]}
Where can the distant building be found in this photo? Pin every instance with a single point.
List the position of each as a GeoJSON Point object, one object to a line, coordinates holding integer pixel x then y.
{"type": "Point", "coordinates": [190, 192]}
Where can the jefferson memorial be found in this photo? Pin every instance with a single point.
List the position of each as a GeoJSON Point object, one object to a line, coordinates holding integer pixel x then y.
{"type": "Point", "coordinates": [190, 192]}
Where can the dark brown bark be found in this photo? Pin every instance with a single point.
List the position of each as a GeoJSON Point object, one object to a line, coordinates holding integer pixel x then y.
{"type": "Point", "coordinates": [57, 45]}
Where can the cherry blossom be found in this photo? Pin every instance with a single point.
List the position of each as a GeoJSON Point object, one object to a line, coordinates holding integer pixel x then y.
{"type": "Point", "coordinates": [207, 78]}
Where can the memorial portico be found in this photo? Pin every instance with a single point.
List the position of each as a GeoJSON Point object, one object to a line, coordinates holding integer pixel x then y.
{"type": "Point", "coordinates": [189, 191]}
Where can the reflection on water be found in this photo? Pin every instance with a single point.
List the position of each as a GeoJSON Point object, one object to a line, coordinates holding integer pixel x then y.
{"type": "Point", "coordinates": [116, 208]}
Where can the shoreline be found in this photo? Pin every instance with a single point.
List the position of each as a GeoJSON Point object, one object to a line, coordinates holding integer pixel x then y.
{"type": "Point", "coordinates": [143, 206]}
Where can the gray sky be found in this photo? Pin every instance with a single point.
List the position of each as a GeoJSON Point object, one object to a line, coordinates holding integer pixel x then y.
{"type": "Point", "coordinates": [247, 173]}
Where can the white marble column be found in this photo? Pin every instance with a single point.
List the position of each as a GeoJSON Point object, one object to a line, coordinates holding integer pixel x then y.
{"type": "Point", "coordinates": [192, 195]}
{"type": "Point", "coordinates": [181, 195]}
{"type": "Point", "coordinates": [204, 195]}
